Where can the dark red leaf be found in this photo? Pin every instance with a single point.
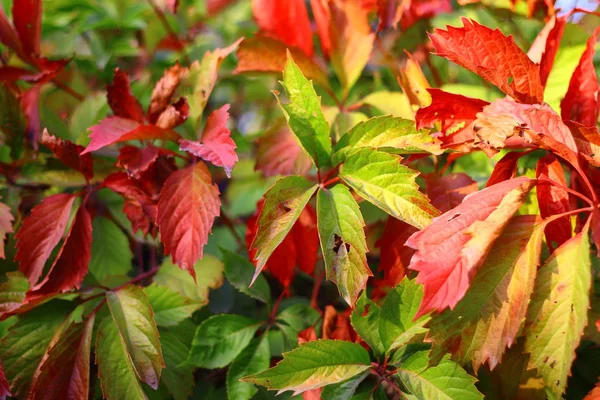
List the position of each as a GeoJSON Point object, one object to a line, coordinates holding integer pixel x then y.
{"type": "Point", "coordinates": [121, 100]}
{"type": "Point", "coordinates": [188, 205]}
{"type": "Point", "coordinates": [505, 169]}
{"type": "Point", "coordinates": [70, 154]}
{"type": "Point", "coordinates": [6, 220]}
{"type": "Point", "coordinates": [9, 37]}
{"type": "Point", "coordinates": [493, 56]}
{"type": "Point", "coordinates": [286, 21]}
{"type": "Point", "coordinates": [4, 386]}
{"type": "Point", "coordinates": [553, 200]}
{"type": "Point", "coordinates": [137, 160]}
{"type": "Point", "coordinates": [447, 192]}
{"type": "Point", "coordinates": [581, 101]}
{"type": "Point", "coordinates": [116, 129]}
{"type": "Point", "coordinates": [337, 326]}
{"type": "Point", "coordinates": [216, 145]}
{"type": "Point", "coordinates": [394, 256]}
{"type": "Point", "coordinates": [40, 233]}
{"type": "Point", "coordinates": [27, 17]}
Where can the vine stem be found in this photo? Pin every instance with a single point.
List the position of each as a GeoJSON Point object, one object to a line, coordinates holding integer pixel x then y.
{"type": "Point", "coordinates": [276, 306]}
{"type": "Point", "coordinates": [331, 181]}
{"type": "Point", "coordinates": [316, 289]}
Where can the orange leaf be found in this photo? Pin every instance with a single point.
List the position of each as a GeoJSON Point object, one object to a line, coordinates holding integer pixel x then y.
{"type": "Point", "coordinates": [279, 153]}
{"type": "Point", "coordinates": [164, 90]}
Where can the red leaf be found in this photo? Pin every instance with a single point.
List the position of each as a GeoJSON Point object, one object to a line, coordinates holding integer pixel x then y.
{"type": "Point", "coordinates": [581, 101]}
{"type": "Point", "coordinates": [116, 129]}
{"type": "Point", "coordinates": [70, 154]}
{"type": "Point", "coordinates": [450, 250]}
{"type": "Point", "coordinates": [505, 169]}
{"type": "Point", "coordinates": [30, 103]}
{"type": "Point", "coordinates": [493, 56]}
{"type": "Point", "coordinates": [412, 11]}
{"type": "Point", "coordinates": [121, 100]}
{"type": "Point", "coordinates": [187, 208]}
{"type": "Point", "coordinates": [40, 233]}
{"type": "Point", "coordinates": [551, 46]}
{"type": "Point", "coordinates": [286, 21]}
{"type": "Point", "coordinates": [65, 372]}
{"type": "Point", "coordinates": [137, 160]}
{"type": "Point", "coordinates": [174, 115]}
{"type": "Point", "coordinates": [394, 255]}
{"type": "Point", "coordinates": [164, 90]}
{"type": "Point", "coordinates": [217, 146]}
{"type": "Point", "coordinates": [27, 17]}
{"type": "Point", "coordinates": [447, 192]}
{"type": "Point", "coordinates": [71, 263]}
{"type": "Point", "coordinates": [4, 386]}
{"type": "Point", "coordinates": [9, 37]}
{"type": "Point", "coordinates": [337, 326]}
{"type": "Point", "coordinates": [553, 200]}
{"type": "Point", "coordinates": [6, 220]}
{"type": "Point", "coordinates": [279, 153]}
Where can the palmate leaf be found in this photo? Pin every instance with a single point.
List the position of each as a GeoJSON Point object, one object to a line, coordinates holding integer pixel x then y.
{"type": "Point", "coordinates": [558, 309]}
{"type": "Point", "coordinates": [314, 365]}
{"type": "Point", "coordinates": [343, 243]}
{"type": "Point", "coordinates": [486, 321]}
{"type": "Point", "coordinates": [445, 381]}
{"type": "Point", "coordinates": [251, 360]}
{"type": "Point", "coordinates": [134, 320]}
{"type": "Point", "coordinates": [304, 115]}
{"type": "Point", "coordinates": [380, 178]}
{"type": "Point", "coordinates": [386, 133]}
{"type": "Point", "coordinates": [283, 204]}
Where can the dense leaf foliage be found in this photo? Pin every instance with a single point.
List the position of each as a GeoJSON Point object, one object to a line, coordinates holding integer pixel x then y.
{"type": "Point", "coordinates": [316, 199]}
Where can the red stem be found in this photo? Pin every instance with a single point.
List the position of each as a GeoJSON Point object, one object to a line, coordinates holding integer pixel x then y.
{"type": "Point", "coordinates": [316, 289]}
{"type": "Point", "coordinates": [330, 182]}
{"type": "Point", "coordinates": [276, 307]}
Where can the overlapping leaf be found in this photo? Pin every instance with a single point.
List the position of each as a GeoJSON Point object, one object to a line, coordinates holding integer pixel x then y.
{"type": "Point", "coordinates": [70, 154]}
{"type": "Point", "coordinates": [279, 153]}
{"type": "Point", "coordinates": [6, 220]}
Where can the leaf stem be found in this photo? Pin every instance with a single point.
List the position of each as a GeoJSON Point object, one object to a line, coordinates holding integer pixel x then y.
{"type": "Point", "coordinates": [331, 182]}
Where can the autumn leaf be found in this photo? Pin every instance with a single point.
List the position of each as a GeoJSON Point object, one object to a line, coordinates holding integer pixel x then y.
{"type": "Point", "coordinates": [285, 21]}
{"type": "Point", "coordinates": [448, 191]}
{"type": "Point", "coordinates": [505, 168]}
{"type": "Point", "coordinates": [27, 17]}
{"type": "Point", "coordinates": [414, 83]}
{"type": "Point", "coordinates": [580, 104]}
{"type": "Point", "coordinates": [188, 205]}
{"type": "Point", "coordinates": [551, 44]}
{"type": "Point", "coordinates": [279, 153]}
{"type": "Point", "coordinates": [121, 100]}
{"type": "Point", "coordinates": [70, 154]}
{"type": "Point", "coordinates": [40, 233]}
{"type": "Point", "coordinates": [216, 145]}
{"type": "Point", "coordinates": [493, 56]}
{"type": "Point", "coordinates": [394, 256]}
{"type": "Point", "coordinates": [136, 160]}
{"type": "Point", "coordinates": [452, 248]}
{"type": "Point", "coordinates": [6, 220]}
{"type": "Point", "coordinates": [164, 90]}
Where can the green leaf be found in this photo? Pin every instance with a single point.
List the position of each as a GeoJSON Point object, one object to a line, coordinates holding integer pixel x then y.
{"type": "Point", "coordinates": [239, 272]}
{"type": "Point", "coordinates": [133, 317]}
{"type": "Point", "coordinates": [344, 390]}
{"type": "Point", "coordinates": [115, 369]}
{"type": "Point", "coordinates": [380, 178]}
{"type": "Point", "coordinates": [343, 244]}
{"type": "Point", "coordinates": [111, 255]}
{"type": "Point", "coordinates": [209, 275]}
{"type": "Point", "coordinates": [365, 321]}
{"type": "Point", "coordinates": [557, 311]}
{"type": "Point", "coordinates": [293, 320]}
{"type": "Point", "coordinates": [314, 365]}
{"type": "Point", "coordinates": [396, 322]}
{"type": "Point", "coordinates": [447, 380]}
{"type": "Point", "coordinates": [13, 291]}
{"type": "Point", "coordinates": [283, 204]}
{"type": "Point", "coordinates": [13, 123]}
{"type": "Point", "coordinates": [251, 360]}
{"type": "Point", "coordinates": [304, 115]}
{"type": "Point", "coordinates": [28, 341]}
{"type": "Point", "coordinates": [177, 376]}
{"type": "Point", "coordinates": [219, 340]}
{"type": "Point", "coordinates": [169, 307]}
{"type": "Point", "coordinates": [388, 134]}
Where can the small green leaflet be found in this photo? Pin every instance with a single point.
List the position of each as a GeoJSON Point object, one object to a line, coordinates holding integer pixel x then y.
{"type": "Point", "coordinates": [396, 320]}
{"type": "Point", "coordinates": [115, 369]}
{"type": "Point", "coordinates": [380, 178]}
{"type": "Point", "coordinates": [343, 243]}
{"type": "Point", "coordinates": [386, 133]}
{"type": "Point", "coordinates": [13, 291]}
{"type": "Point", "coordinates": [304, 115]}
{"type": "Point", "coordinates": [239, 272]}
{"type": "Point", "coordinates": [169, 306]}
{"type": "Point", "coordinates": [314, 365]}
{"type": "Point", "coordinates": [220, 338]}
{"type": "Point", "coordinates": [445, 381]}
{"type": "Point", "coordinates": [111, 255]}
{"type": "Point", "coordinates": [558, 310]}
{"type": "Point", "coordinates": [365, 321]}
{"type": "Point", "coordinates": [294, 319]}
{"type": "Point", "coordinates": [177, 376]}
{"type": "Point", "coordinates": [251, 360]}
{"type": "Point", "coordinates": [134, 320]}
{"type": "Point", "coordinates": [284, 202]}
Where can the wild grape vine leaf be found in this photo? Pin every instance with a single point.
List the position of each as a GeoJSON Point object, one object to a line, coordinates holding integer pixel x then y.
{"type": "Point", "coordinates": [581, 104]}
{"type": "Point", "coordinates": [136, 160]}
{"type": "Point", "coordinates": [70, 154]}
{"type": "Point", "coordinates": [6, 220]}
{"type": "Point", "coordinates": [164, 90]}
{"type": "Point", "coordinates": [121, 100]}
{"type": "Point", "coordinates": [279, 153]}
{"type": "Point", "coordinates": [216, 145]}
{"type": "Point", "coordinates": [283, 204]}
{"type": "Point", "coordinates": [304, 115]}
{"type": "Point", "coordinates": [558, 310]}
{"type": "Point", "coordinates": [380, 178]}
{"type": "Point", "coordinates": [343, 243]}
{"type": "Point", "coordinates": [65, 373]}
{"type": "Point", "coordinates": [455, 244]}
{"type": "Point", "coordinates": [134, 320]}
{"type": "Point", "coordinates": [188, 205]}
{"type": "Point", "coordinates": [501, 289]}
{"type": "Point", "coordinates": [493, 56]}
{"type": "Point", "coordinates": [40, 233]}
{"type": "Point", "coordinates": [314, 365]}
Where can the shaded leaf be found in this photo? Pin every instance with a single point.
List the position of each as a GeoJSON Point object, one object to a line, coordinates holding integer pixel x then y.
{"type": "Point", "coordinates": [447, 192]}
{"type": "Point", "coordinates": [136, 160]}
{"type": "Point", "coordinates": [239, 272]}
{"type": "Point", "coordinates": [111, 255]}
{"type": "Point", "coordinates": [120, 99]}
{"type": "Point", "coordinates": [251, 360]}
{"type": "Point", "coordinates": [6, 220]}
{"type": "Point", "coordinates": [177, 376]}
{"type": "Point", "coordinates": [70, 154]}
{"type": "Point", "coordinates": [505, 169]}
